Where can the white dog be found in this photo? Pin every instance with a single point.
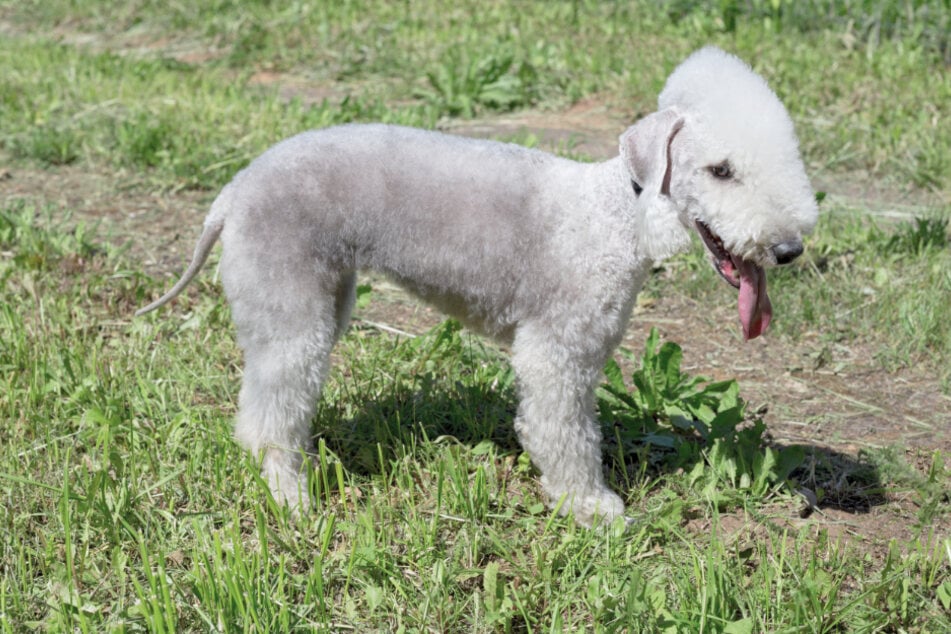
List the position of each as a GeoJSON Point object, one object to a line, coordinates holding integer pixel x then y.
{"type": "Point", "coordinates": [543, 253]}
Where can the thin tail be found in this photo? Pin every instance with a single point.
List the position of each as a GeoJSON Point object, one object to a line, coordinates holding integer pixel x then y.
{"type": "Point", "coordinates": [207, 240]}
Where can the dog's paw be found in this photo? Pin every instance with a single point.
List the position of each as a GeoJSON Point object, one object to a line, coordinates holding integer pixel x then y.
{"type": "Point", "coordinates": [592, 510]}
{"type": "Point", "coordinates": [286, 480]}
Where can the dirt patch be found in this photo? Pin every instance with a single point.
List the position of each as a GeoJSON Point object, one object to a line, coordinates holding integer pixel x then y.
{"type": "Point", "coordinates": [838, 397]}
{"type": "Point", "coordinates": [879, 197]}
{"type": "Point", "coordinates": [589, 129]}
{"type": "Point", "coordinates": [159, 227]}
{"type": "Point", "coordinates": [290, 87]}
{"type": "Point", "coordinates": [135, 41]}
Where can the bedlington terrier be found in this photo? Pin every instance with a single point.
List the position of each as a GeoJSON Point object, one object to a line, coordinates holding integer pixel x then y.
{"type": "Point", "coordinates": [543, 253]}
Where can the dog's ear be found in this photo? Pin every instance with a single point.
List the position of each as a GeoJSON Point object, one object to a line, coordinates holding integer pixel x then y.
{"type": "Point", "coordinates": [646, 149]}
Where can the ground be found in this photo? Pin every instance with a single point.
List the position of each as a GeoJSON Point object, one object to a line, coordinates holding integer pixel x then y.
{"type": "Point", "coordinates": [836, 398]}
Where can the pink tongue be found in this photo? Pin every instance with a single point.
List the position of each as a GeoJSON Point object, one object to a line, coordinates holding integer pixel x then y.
{"type": "Point", "coordinates": [755, 309]}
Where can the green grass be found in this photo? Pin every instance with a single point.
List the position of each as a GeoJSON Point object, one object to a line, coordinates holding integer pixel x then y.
{"type": "Point", "coordinates": [867, 82]}
{"type": "Point", "coordinates": [127, 506]}
{"type": "Point", "coordinates": [185, 127]}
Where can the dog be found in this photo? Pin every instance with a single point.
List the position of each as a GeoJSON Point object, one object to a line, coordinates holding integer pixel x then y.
{"type": "Point", "coordinates": [542, 253]}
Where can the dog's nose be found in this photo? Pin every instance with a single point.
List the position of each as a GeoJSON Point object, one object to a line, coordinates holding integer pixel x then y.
{"type": "Point", "coordinates": [786, 252]}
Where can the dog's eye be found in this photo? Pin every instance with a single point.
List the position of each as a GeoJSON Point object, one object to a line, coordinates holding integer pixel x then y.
{"type": "Point", "coordinates": [722, 171]}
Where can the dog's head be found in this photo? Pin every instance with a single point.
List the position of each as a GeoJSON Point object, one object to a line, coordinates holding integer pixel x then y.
{"type": "Point", "coordinates": [721, 158]}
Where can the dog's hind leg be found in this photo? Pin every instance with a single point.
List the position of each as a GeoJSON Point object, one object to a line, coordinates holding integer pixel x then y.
{"type": "Point", "coordinates": [287, 326]}
{"type": "Point", "coordinates": [556, 423]}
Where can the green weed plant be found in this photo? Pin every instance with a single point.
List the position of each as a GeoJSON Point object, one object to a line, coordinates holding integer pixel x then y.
{"type": "Point", "coordinates": [700, 427]}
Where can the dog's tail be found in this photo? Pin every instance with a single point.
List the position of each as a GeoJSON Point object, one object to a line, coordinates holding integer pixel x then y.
{"type": "Point", "coordinates": [214, 224]}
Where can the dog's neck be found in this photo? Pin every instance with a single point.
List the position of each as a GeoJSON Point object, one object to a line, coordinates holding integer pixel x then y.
{"type": "Point", "coordinates": [609, 187]}
{"type": "Point", "coordinates": [651, 215]}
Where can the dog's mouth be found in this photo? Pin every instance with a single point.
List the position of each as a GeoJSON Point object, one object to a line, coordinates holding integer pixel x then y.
{"type": "Point", "coordinates": [755, 308]}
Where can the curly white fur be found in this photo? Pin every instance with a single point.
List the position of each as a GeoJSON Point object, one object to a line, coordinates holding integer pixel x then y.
{"type": "Point", "coordinates": [540, 252]}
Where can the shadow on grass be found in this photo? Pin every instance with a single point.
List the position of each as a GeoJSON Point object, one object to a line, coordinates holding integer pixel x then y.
{"type": "Point", "coordinates": [840, 481]}
{"type": "Point", "coordinates": [391, 425]}
{"type": "Point", "coordinates": [402, 419]}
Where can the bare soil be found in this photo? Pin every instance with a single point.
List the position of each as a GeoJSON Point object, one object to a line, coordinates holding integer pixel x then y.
{"type": "Point", "coordinates": [837, 401]}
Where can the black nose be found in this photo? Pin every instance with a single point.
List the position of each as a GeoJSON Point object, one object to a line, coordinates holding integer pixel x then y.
{"type": "Point", "coordinates": [786, 252]}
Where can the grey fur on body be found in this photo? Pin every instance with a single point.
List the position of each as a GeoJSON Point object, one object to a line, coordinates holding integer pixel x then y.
{"type": "Point", "coordinates": [540, 252]}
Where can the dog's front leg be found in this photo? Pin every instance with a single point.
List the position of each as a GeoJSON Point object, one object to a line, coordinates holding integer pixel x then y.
{"type": "Point", "coordinates": [556, 423]}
